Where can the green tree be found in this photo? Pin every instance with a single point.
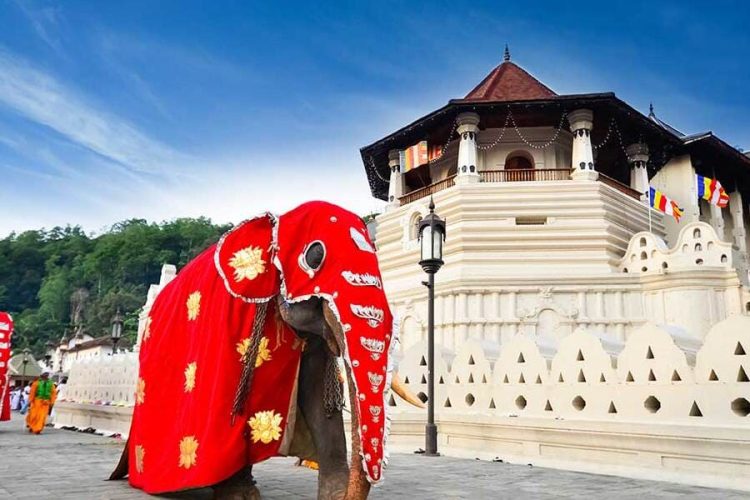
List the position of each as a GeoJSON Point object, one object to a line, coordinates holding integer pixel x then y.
{"type": "Point", "coordinates": [39, 270]}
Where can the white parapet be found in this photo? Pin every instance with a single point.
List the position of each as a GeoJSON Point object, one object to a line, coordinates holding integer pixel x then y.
{"type": "Point", "coordinates": [100, 393]}
{"type": "Point", "coordinates": [661, 405]}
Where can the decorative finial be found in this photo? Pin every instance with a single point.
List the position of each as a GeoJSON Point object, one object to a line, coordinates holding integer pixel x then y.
{"type": "Point", "coordinates": [651, 110]}
{"type": "Point", "coordinates": [432, 205]}
{"type": "Point", "coordinates": [506, 54]}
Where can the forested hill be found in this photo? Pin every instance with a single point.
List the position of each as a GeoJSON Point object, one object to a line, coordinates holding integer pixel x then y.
{"type": "Point", "coordinates": [40, 270]}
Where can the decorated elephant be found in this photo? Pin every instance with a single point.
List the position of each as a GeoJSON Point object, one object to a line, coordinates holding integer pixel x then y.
{"type": "Point", "coordinates": [239, 360]}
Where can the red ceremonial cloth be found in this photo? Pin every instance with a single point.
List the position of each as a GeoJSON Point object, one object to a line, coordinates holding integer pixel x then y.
{"type": "Point", "coordinates": [6, 330]}
{"type": "Point", "coordinates": [349, 278]}
{"type": "Point", "coordinates": [190, 363]}
{"type": "Point", "coordinates": [181, 435]}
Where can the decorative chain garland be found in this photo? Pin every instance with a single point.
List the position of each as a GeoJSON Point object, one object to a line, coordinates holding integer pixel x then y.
{"type": "Point", "coordinates": [333, 388]}
{"type": "Point", "coordinates": [445, 146]}
{"type": "Point", "coordinates": [610, 128]}
{"type": "Point", "coordinates": [499, 135]}
{"type": "Point", "coordinates": [538, 146]}
{"type": "Point", "coordinates": [613, 127]}
{"type": "Point", "coordinates": [248, 361]}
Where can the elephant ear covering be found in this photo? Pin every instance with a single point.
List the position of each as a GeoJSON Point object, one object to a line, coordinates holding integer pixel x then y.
{"type": "Point", "coordinates": [349, 279]}
{"type": "Point", "coordinates": [191, 357]}
{"type": "Point", "coordinates": [243, 258]}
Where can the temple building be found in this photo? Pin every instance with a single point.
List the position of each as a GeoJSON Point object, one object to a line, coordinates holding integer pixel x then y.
{"type": "Point", "coordinates": [576, 327]}
{"type": "Point", "coordinates": [547, 191]}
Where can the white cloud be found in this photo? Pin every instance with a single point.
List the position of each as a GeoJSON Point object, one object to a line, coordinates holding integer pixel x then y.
{"type": "Point", "coordinates": [44, 21]}
{"type": "Point", "coordinates": [41, 98]}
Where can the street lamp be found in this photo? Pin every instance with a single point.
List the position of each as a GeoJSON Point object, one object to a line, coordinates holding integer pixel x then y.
{"type": "Point", "coordinates": [116, 330]}
{"type": "Point", "coordinates": [431, 237]}
{"type": "Point", "coordinates": [25, 361]}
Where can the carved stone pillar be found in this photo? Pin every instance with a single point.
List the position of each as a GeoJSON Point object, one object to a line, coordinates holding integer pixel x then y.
{"type": "Point", "coordinates": [581, 122]}
{"type": "Point", "coordinates": [396, 183]}
{"type": "Point", "coordinates": [467, 149]}
{"type": "Point", "coordinates": [738, 220]}
{"type": "Point", "coordinates": [638, 158]}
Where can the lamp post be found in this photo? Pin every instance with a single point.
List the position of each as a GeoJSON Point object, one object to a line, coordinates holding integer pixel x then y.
{"type": "Point", "coordinates": [431, 237]}
{"type": "Point", "coordinates": [116, 330]}
{"type": "Point", "coordinates": [25, 361]}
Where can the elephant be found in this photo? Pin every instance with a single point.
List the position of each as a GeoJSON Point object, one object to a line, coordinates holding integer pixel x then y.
{"type": "Point", "coordinates": [241, 355]}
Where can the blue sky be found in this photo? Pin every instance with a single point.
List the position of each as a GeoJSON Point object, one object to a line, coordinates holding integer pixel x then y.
{"type": "Point", "coordinates": [113, 110]}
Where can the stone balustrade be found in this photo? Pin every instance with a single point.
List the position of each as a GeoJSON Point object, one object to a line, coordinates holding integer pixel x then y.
{"type": "Point", "coordinates": [657, 376]}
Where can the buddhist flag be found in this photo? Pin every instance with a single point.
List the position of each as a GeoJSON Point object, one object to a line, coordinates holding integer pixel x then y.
{"type": "Point", "coordinates": [414, 156]}
{"type": "Point", "coordinates": [660, 202]}
{"type": "Point", "coordinates": [712, 190]}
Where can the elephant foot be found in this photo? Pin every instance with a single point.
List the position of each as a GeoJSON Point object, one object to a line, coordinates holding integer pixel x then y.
{"type": "Point", "coordinates": [240, 486]}
{"type": "Point", "coordinates": [332, 486]}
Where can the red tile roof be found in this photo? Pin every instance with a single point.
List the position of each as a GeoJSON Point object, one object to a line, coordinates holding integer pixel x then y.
{"type": "Point", "coordinates": [509, 82]}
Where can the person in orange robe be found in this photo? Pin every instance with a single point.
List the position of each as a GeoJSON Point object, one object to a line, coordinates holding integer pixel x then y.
{"type": "Point", "coordinates": [41, 398]}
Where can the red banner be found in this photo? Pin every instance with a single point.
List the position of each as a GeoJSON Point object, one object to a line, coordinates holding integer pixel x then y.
{"type": "Point", "coordinates": [6, 330]}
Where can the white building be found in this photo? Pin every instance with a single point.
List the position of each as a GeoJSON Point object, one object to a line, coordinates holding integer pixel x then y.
{"type": "Point", "coordinates": [77, 348]}
{"type": "Point", "coordinates": [556, 276]}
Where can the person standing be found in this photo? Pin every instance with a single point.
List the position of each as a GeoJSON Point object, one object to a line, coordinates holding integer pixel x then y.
{"type": "Point", "coordinates": [41, 399]}
{"type": "Point", "coordinates": [15, 398]}
{"type": "Point", "coordinates": [25, 399]}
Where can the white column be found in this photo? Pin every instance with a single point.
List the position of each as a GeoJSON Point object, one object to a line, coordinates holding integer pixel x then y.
{"type": "Point", "coordinates": [396, 183]}
{"type": "Point", "coordinates": [738, 219]}
{"type": "Point", "coordinates": [638, 158]}
{"type": "Point", "coordinates": [717, 221]}
{"type": "Point", "coordinates": [467, 149]}
{"type": "Point", "coordinates": [581, 122]}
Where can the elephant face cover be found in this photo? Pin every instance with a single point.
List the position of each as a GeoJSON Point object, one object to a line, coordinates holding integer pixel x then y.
{"type": "Point", "coordinates": [219, 367]}
{"type": "Point", "coordinates": [348, 278]}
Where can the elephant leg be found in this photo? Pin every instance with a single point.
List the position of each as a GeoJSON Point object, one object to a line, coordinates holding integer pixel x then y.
{"type": "Point", "coordinates": [238, 487]}
{"type": "Point", "coordinates": [327, 433]}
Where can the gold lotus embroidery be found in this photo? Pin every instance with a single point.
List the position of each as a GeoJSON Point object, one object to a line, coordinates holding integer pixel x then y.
{"type": "Point", "coordinates": [190, 376]}
{"type": "Point", "coordinates": [266, 426]}
{"type": "Point", "coordinates": [193, 305]}
{"type": "Point", "coordinates": [147, 328]}
{"type": "Point", "coordinates": [188, 451]}
{"type": "Point", "coordinates": [247, 263]}
{"type": "Point", "coordinates": [140, 391]}
{"type": "Point", "coordinates": [140, 453]}
{"type": "Point", "coordinates": [264, 353]}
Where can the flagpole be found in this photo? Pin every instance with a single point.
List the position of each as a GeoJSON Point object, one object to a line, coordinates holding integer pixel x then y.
{"type": "Point", "coordinates": [648, 206]}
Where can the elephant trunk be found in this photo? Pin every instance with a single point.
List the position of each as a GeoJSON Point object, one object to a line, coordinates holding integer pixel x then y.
{"type": "Point", "coordinates": [358, 487]}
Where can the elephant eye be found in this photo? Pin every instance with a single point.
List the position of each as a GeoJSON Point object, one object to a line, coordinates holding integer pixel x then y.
{"type": "Point", "coordinates": [312, 257]}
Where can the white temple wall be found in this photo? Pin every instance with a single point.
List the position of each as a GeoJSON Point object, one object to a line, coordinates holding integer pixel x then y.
{"type": "Point", "coordinates": [676, 179]}
{"type": "Point", "coordinates": [524, 229]}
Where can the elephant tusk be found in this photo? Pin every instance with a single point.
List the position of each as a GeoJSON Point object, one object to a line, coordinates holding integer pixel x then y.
{"type": "Point", "coordinates": [399, 388]}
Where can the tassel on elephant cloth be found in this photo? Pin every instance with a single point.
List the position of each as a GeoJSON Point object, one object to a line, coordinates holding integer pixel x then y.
{"type": "Point", "coordinates": [190, 361]}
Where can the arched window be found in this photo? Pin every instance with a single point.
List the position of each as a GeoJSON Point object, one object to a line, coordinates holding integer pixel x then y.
{"type": "Point", "coordinates": [414, 226]}
{"type": "Point", "coordinates": [519, 160]}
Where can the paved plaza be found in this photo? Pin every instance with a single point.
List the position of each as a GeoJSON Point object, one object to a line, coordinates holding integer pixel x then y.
{"type": "Point", "coordinates": [71, 465]}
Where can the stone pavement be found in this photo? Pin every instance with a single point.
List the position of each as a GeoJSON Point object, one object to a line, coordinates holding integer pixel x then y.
{"type": "Point", "coordinates": [72, 465]}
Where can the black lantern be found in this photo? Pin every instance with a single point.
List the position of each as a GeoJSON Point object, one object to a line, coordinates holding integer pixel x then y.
{"type": "Point", "coordinates": [431, 237]}
{"type": "Point", "coordinates": [116, 329]}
